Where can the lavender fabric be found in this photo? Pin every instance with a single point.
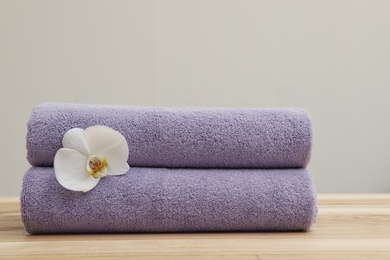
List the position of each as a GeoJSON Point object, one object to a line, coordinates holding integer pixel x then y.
{"type": "Point", "coordinates": [182, 137]}
{"type": "Point", "coordinates": [172, 200]}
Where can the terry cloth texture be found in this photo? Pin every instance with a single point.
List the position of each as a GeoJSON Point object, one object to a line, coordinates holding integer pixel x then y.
{"type": "Point", "coordinates": [172, 200]}
{"type": "Point", "coordinates": [182, 137]}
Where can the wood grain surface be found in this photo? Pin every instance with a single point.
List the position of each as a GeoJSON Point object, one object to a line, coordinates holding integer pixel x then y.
{"type": "Point", "coordinates": [355, 226]}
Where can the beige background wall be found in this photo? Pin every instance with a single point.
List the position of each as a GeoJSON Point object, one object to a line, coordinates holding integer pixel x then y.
{"type": "Point", "coordinates": [330, 57]}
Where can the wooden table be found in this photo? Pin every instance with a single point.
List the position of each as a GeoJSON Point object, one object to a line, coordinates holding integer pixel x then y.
{"type": "Point", "coordinates": [348, 227]}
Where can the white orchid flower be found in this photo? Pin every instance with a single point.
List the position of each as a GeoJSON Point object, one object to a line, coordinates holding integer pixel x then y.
{"type": "Point", "coordinates": [88, 155]}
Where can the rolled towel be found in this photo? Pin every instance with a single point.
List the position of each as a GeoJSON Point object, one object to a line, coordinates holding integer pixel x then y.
{"type": "Point", "coordinates": [172, 200]}
{"type": "Point", "coordinates": [181, 137]}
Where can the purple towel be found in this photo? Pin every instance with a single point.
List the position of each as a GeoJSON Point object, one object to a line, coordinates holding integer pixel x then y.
{"type": "Point", "coordinates": [172, 200]}
{"type": "Point", "coordinates": [182, 137]}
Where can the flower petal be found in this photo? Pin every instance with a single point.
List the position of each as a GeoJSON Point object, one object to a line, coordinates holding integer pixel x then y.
{"type": "Point", "coordinates": [110, 143]}
{"type": "Point", "coordinates": [117, 158]}
{"type": "Point", "coordinates": [70, 170]}
{"type": "Point", "coordinates": [74, 139]}
{"type": "Point", "coordinates": [117, 168]}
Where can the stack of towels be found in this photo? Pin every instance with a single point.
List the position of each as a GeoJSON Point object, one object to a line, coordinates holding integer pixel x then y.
{"type": "Point", "coordinates": [191, 169]}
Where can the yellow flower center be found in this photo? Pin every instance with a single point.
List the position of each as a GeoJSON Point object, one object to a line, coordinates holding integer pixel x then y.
{"type": "Point", "coordinates": [97, 166]}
